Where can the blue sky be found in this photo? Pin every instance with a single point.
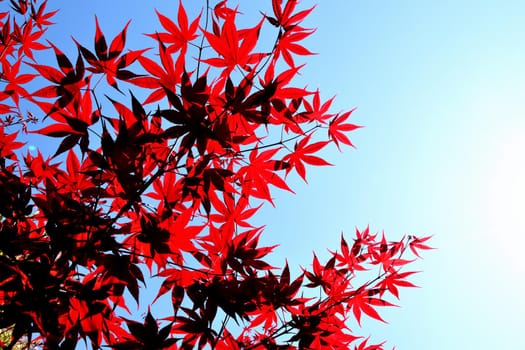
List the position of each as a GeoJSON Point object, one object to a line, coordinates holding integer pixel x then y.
{"type": "Point", "coordinates": [439, 87]}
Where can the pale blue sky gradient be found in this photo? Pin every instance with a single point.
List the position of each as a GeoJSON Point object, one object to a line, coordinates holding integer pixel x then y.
{"type": "Point", "coordinates": [439, 86]}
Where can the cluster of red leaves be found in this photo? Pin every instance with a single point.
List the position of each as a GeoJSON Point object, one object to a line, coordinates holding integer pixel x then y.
{"type": "Point", "coordinates": [172, 190]}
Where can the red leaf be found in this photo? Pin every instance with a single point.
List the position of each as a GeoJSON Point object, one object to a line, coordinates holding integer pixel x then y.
{"type": "Point", "coordinates": [394, 280]}
{"type": "Point", "coordinates": [302, 155]}
{"type": "Point", "coordinates": [362, 303]}
{"type": "Point", "coordinates": [337, 129]}
{"type": "Point", "coordinates": [8, 144]}
{"type": "Point", "coordinates": [416, 244]}
{"type": "Point", "coordinates": [177, 37]}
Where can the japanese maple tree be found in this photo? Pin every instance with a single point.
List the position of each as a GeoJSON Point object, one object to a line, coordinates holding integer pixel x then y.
{"type": "Point", "coordinates": [164, 181]}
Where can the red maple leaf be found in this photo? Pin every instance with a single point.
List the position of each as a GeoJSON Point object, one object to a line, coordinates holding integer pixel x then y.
{"type": "Point", "coordinates": [234, 46]}
{"type": "Point", "coordinates": [161, 78]}
{"type": "Point", "coordinates": [362, 302]}
{"type": "Point", "coordinates": [303, 154]}
{"type": "Point", "coordinates": [40, 17]}
{"type": "Point", "coordinates": [28, 39]}
{"type": "Point", "coordinates": [177, 37]}
{"type": "Point", "coordinates": [261, 172]}
{"type": "Point", "coordinates": [394, 280]}
{"type": "Point", "coordinates": [288, 45]}
{"type": "Point", "coordinates": [285, 17]}
{"type": "Point", "coordinates": [109, 60]}
{"type": "Point", "coordinates": [69, 81]}
{"type": "Point", "coordinates": [416, 244]}
{"type": "Point", "coordinates": [337, 129]}
{"type": "Point", "coordinates": [15, 81]}
{"type": "Point", "coordinates": [8, 144]}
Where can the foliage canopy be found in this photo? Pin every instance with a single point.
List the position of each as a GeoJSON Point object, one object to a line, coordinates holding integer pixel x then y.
{"type": "Point", "coordinates": [164, 180]}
